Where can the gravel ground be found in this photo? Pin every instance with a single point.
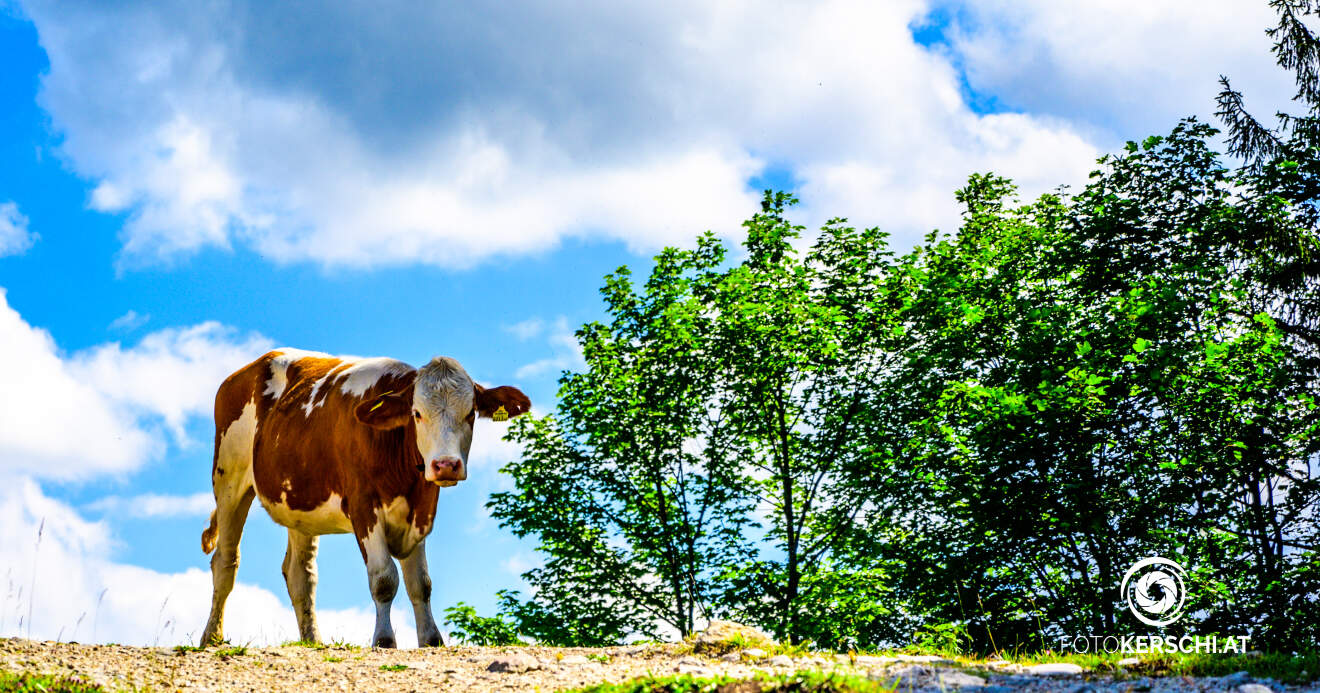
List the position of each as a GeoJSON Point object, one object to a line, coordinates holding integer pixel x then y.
{"type": "Point", "coordinates": [294, 668]}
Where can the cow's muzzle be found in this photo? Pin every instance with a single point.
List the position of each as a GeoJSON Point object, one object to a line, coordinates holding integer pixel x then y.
{"type": "Point", "coordinates": [445, 471]}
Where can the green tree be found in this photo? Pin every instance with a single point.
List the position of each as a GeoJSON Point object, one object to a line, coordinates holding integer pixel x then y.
{"type": "Point", "coordinates": [694, 468]}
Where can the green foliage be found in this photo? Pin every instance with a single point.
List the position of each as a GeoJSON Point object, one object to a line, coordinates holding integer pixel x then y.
{"type": "Point", "coordinates": [185, 649]}
{"type": "Point", "coordinates": [227, 652]}
{"type": "Point", "coordinates": [804, 681]}
{"type": "Point", "coordinates": [948, 639]}
{"type": "Point", "coordinates": [43, 683]}
{"type": "Point", "coordinates": [846, 447]}
{"type": "Point", "coordinates": [471, 629]}
{"type": "Point", "coordinates": [697, 467]}
{"type": "Point", "coordinates": [393, 667]}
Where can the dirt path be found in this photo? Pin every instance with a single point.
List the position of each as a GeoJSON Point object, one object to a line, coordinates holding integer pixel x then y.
{"type": "Point", "coordinates": [294, 668]}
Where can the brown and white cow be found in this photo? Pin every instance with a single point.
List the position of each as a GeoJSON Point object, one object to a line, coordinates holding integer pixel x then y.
{"type": "Point", "coordinates": [336, 445]}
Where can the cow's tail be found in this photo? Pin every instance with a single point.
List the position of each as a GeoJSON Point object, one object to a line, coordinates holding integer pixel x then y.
{"type": "Point", "coordinates": [208, 535]}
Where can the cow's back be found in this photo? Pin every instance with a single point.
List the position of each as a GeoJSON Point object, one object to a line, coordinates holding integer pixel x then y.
{"type": "Point", "coordinates": [315, 467]}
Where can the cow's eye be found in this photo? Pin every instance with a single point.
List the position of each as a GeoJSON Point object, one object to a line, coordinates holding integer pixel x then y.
{"type": "Point", "coordinates": [417, 415]}
{"type": "Point", "coordinates": [472, 415]}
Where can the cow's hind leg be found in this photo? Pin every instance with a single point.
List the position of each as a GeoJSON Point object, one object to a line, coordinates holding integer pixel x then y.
{"type": "Point", "coordinates": [384, 580]}
{"type": "Point", "coordinates": [231, 479]}
{"type": "Point", "coordinates": [230, 514]}
{"type": "Point", "coordinates": [418, 581]}
{"type": "Point", "coordinates": [300, 576]}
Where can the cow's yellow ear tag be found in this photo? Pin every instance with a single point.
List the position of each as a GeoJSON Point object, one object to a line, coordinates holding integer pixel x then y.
{"type": "Point", "coordinates": [376, 406]}
{"type": "Point", "coordinates": [500, 414]}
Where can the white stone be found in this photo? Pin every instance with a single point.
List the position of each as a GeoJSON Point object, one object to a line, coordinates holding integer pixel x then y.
{"type": "Point", "coordinates": [754, 652]}
{"type": "Point", "coordinates": [1254, 688]}
{"type": "Point", "coordinates": [924, 659]}
{"type": "Point", "coordinates": [1055, 669]}
{"type": "Point", "coordinates": [781, 661]}
{"type": "Point", "coordinates": [957, 679]}
{"type": "Point", "coordinates": [1129, 662]}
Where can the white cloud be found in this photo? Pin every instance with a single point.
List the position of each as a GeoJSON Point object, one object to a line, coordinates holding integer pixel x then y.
{"type": "Point", "coordinates": [151, 505]}
{"type": "Point", "coordinates": [76, 591]}
{"type": "Point", "coordinates": [450, 138]}
{"type": "Point", "coordinates": [96, 411]}
{"type": "Point", "coordinates": [129, 321]}
{"type": "Point", "coordinates": [1129, 67]}
{"type": "Point", "coordinates": [565, 353]}
{"type": "Point", "coordinates": [526, 329]}
{"type": "Point", "coordinates": [15, 238]}
{"type": "Point", "coordinates": [171, 373]}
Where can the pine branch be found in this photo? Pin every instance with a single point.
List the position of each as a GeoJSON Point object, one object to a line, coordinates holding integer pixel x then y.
{"type": "Point", "coordinates": [1297, 48]}
{"type": "Point", "coordinates": [1247, 138]}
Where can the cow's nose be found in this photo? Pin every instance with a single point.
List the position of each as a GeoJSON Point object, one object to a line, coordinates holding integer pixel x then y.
{"type": "Point", "coordinates": [446, 467]}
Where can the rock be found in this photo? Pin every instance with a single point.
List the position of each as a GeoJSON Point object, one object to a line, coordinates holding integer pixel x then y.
{"type": "Point", "coordinates": [781, 661]}
{"type": "Point", "coordinates": [924, 659]}
{"type": "Point", "coordinates": [958, 679]}
{"type": "Point", "coordinates": [998, 663]}
{"type": "Point", "coordinates": [1254, 688]}
{"type": "Point", "coordinates": [721, 636]}
{"type": "Point", "coordinates": [874, 661]}
{"type": "Point", "coordinates": [754, 652]}
{"type": "Point", "coordinates": [1235, 679]}
{"type": "Point", "coordinates": [1054, 669]}
{"type": "Point", "coordinates": [515, 663]}
{"type": "Point", "coordinates": [997, 689]}
{"type": "Point", "coordinates": [730, 657]}
{"type": "Point", "coordinates": [1129, 662]}
{"type": "Point", "coordinates": [574, 659]}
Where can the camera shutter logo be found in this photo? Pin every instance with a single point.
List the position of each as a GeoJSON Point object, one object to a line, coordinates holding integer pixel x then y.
{"type": "Point", "coordinates": [1157, 593]}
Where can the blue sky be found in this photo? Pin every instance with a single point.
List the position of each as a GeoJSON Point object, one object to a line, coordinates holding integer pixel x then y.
{"type": "Point", "coordinates": [187, 185]}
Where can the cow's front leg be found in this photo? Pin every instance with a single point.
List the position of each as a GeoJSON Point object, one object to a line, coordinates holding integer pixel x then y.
{"type": "Point", "coordinates": [384, 580]}
{"type": "Point", "coordinates": [418, 581]}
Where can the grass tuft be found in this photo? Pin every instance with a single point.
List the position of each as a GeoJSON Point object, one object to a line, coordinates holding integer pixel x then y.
{"type": "Point", "coordinates": [304, 643]}
{"type": "Point", "coordinates": [800, 682]}
{"type": "Point", "coordinates": [185, 649]}
{"type": "Point", "coordinates": [42, 683]}
{"type": "Point", "coordinates": [228, 652]}
{"type": "Point", "coordinates": [393, 667]}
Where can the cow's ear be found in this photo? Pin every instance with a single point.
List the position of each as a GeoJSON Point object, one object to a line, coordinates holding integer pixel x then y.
{"type": "Point", "coordinates": [386, 411]}
{"type": "Point", "coordinates": [499, 403]}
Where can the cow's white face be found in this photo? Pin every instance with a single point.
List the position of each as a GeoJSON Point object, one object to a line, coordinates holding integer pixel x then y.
{"type": "Point", "coordinates": [442, 409]}
{"type": "Point", "coordinates": [443, 412]}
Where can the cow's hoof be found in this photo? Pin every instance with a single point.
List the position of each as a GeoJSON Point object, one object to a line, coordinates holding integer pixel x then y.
{"type": "Point", "coordinates": [387, 642]}
{"type": "Point", "coordinates": [432, 640]}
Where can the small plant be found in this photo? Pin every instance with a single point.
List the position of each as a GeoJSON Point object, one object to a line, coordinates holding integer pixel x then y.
{"type": "Point", "coordinates": [486, 631]}
{"type": "Point", "coordinates": [393, 667]}
{"type": "Point", "coordinates": [185, 649]}
{"type": "Point", "coordinates": [343, 645]}
{"type": "Point", "coordinates": [332, 658]}
{"type": "Point", "coordinates": [228, 652]}
{"type": "Point", "coordinates": [31, 683]}
{"type": "Point", "coordinates": [599, 657]}
{"type": "Point", "coordinates": [947, 639]}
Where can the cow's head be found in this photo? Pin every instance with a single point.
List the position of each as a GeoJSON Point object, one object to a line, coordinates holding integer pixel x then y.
{"type": "Point", "coordinates": [442, 405]}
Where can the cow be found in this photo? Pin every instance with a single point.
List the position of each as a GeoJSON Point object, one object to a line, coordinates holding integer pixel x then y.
{"type": "Point", "coordinates": [335, 445]}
